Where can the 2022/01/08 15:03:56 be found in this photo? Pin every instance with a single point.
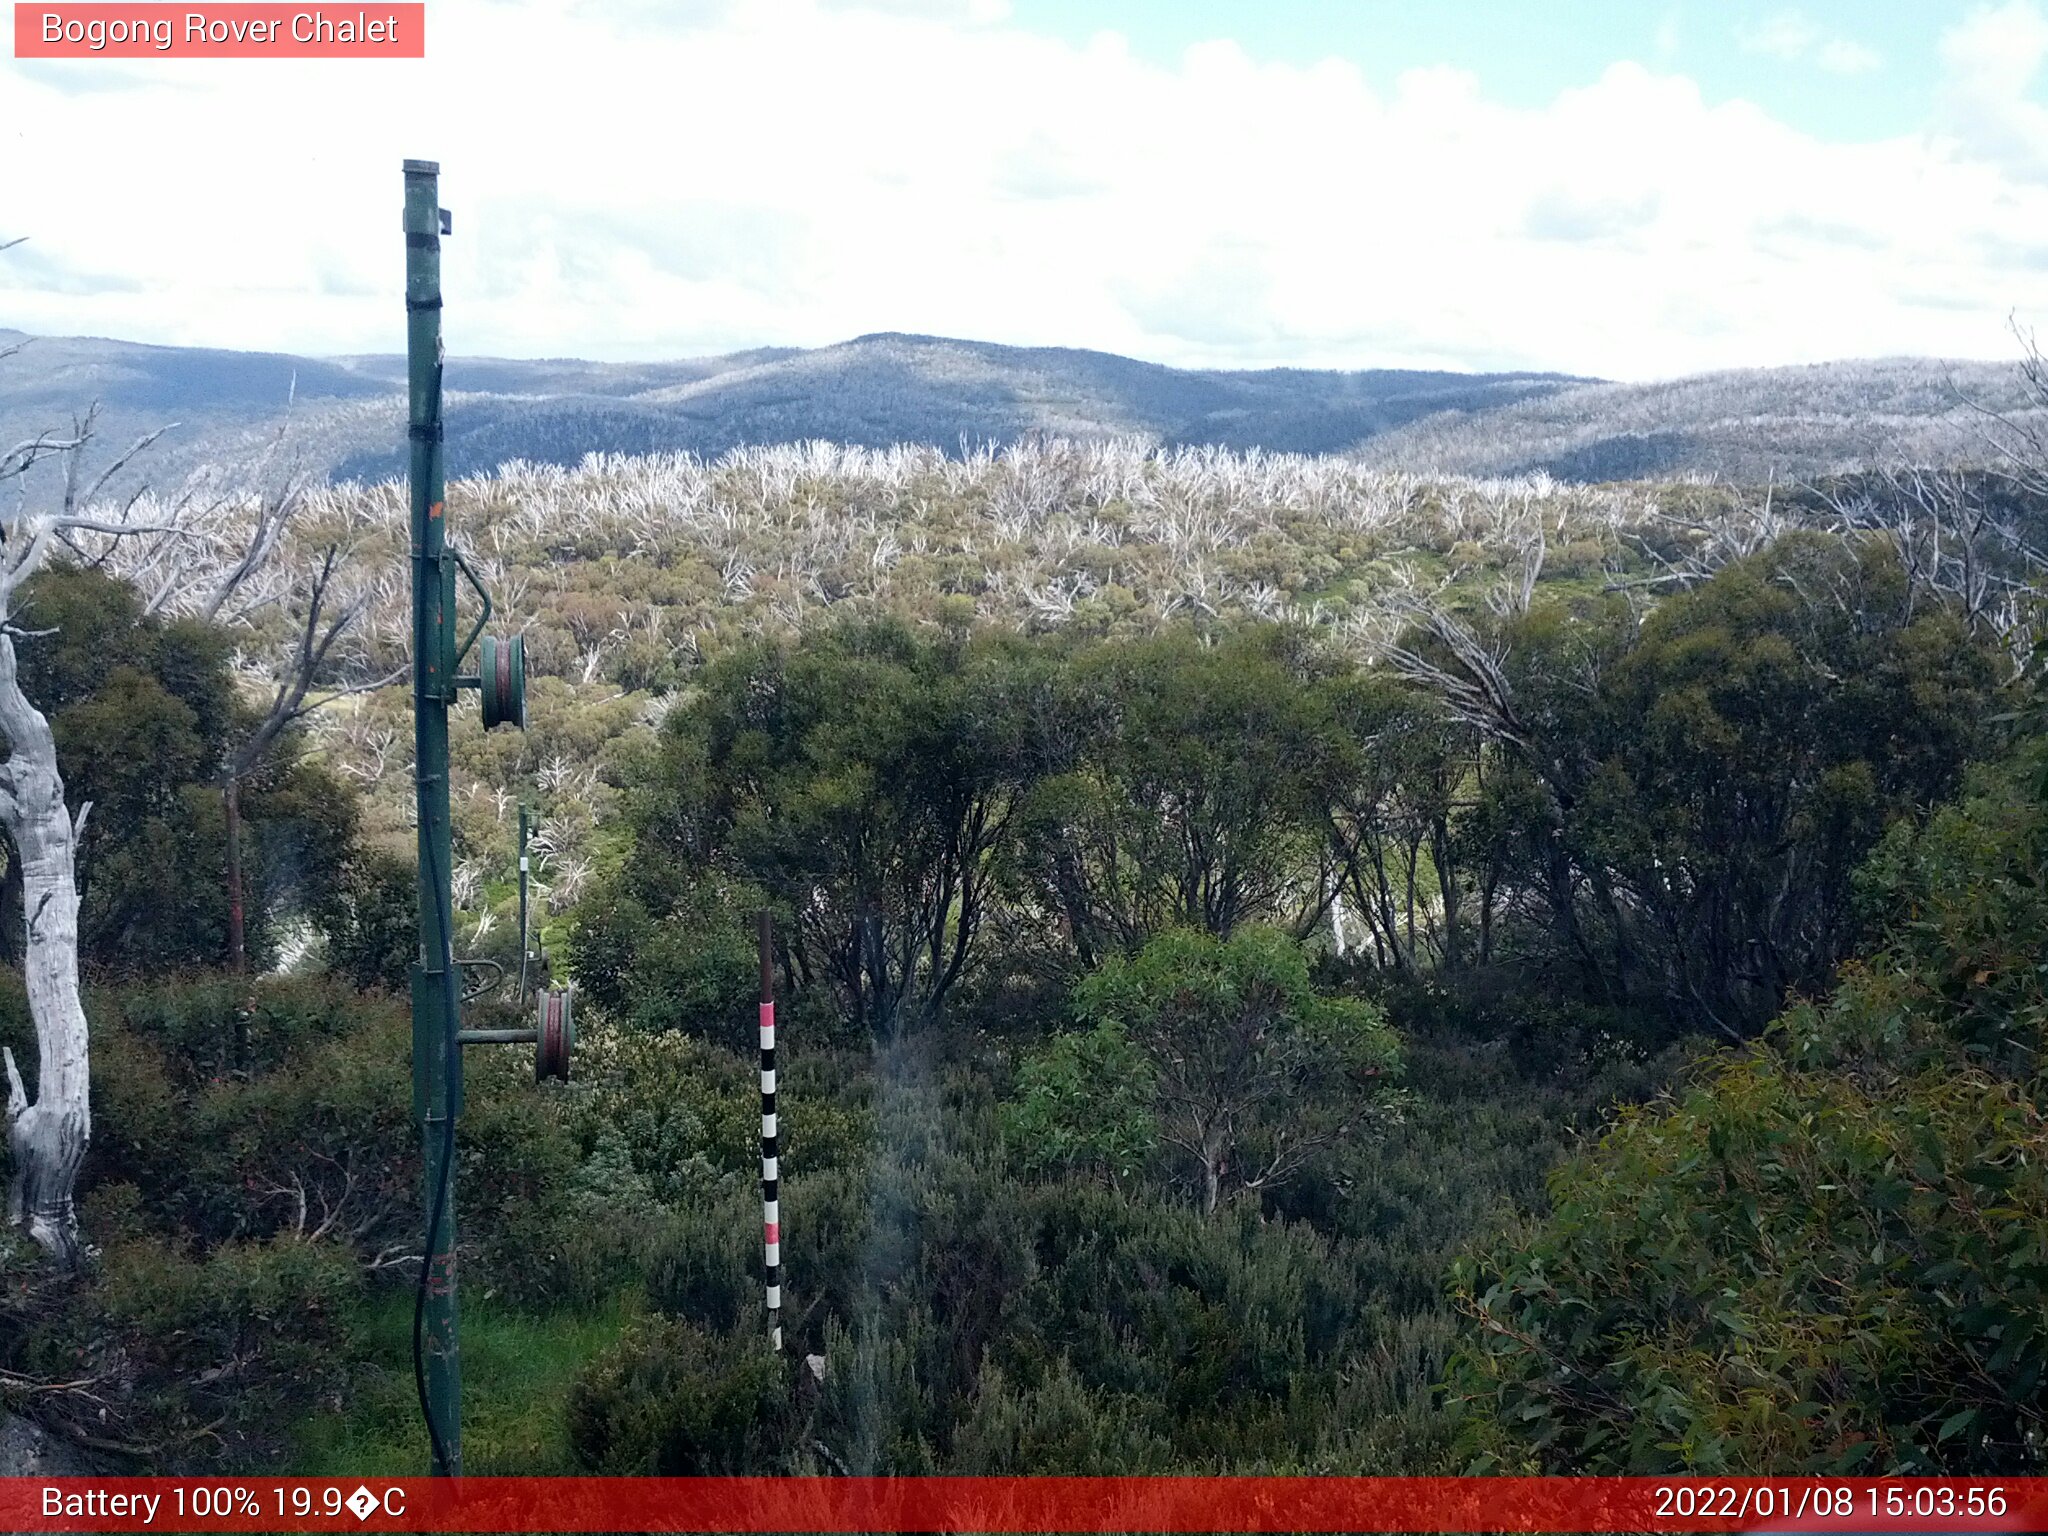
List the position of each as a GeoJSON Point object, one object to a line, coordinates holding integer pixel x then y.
{"type": "Point", "coordinates": [1818, 1506]}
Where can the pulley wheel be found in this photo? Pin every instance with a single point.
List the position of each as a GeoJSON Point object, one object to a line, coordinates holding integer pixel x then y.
{"type": "Point", "coordinates": [501, 668]}
{"type": "Point", "coordinates": [557, 1035]}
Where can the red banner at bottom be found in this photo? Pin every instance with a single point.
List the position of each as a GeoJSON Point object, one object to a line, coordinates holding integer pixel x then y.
{"type": "Point", "coordinates": [934, 1504]}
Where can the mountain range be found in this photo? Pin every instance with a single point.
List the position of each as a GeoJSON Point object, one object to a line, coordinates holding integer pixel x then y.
{"type": "Point", "coordinates": [241, 413]}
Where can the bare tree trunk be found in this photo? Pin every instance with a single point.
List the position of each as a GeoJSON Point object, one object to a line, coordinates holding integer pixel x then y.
{"type": "Point", "coordinates": [48, 1138]}
{"type": "Point", "coordinates": [1213, 1159]}
{"type": "Point", "coordinates": [238, 951]}
{"type": "Point", "coordinates": [231, 805]}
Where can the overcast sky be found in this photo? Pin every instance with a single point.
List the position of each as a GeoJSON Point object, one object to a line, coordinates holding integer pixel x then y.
{"type": "Point", "coordinates": [1609, 188]}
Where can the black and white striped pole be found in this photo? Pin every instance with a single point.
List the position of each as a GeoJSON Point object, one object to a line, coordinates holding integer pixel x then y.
{"type": "Point", "coordinates": [771, 1205]}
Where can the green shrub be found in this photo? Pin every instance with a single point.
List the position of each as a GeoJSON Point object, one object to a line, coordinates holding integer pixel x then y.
{"type": "Point", "coordinates": [372, 923]}
{"type": "Point", "coordinates": [1084, 1102]}
{"type": "Point", "coordinates": [1255, 1077]}
{"type": "Point", "coordinates": [198, 1359]}
{"type": "Point", "coordinates": [972, 1323]}
{"type": "Point", "coordinates": [325, 1143]}
{"type": "Point", "coordinates": [1058, 1428]}
{"type": "Point", "coordinates": [673, 1400]}
{"type": "Point", "coordinates": [1831, 1253]}
{"type": "Point", "coordinates": [210, 1026]}
{"type": "Point", "coordinates": [694, 970]}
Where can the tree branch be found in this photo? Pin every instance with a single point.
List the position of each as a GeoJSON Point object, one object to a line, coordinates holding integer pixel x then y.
{"type": "Point", "coordinates": [17, 1093]}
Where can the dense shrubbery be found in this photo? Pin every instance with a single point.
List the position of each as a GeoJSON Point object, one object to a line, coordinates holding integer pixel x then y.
{"type": "Point", "coordinates": [674, 1400]}
{"type": "Point", "coordinates": [1212, 1057]}
{"type": "Point", "coordinates": [144, 711]}
{"type": "Point", "coordinates": [672, 954]}
{"type": "Point", "coordinates": [971, 1323]}
{"type": "Point", "coordinates": [1828, 1253]}
{"type": "Point", "coordinates": [245, 1211]}
{"type": "Point", "coordinates": [1681, 799]}
{"type": "Point", "coordinates": [1093, 952]}
{"type": "Point", "coordinates": [1632, 829]}
{"type": "Point", "coordinates": [372, 921]}
{"type": "Point", "coordinates": [1656, 815]}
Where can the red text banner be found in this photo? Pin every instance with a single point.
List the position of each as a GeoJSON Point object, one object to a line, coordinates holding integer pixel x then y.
{"type": "Point", "coordinates": [1018, 1504]}
{"type": "Point", "coordinates": [242, 30]}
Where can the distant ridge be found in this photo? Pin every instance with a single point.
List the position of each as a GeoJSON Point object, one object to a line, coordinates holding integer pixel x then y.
{"type": "Point", "coordinates": [1742, 425]}
{"type": "Point", "coordinates": [890, 387]}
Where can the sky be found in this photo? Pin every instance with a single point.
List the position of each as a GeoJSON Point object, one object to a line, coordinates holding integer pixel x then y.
{"type": "Point", "coordinates": [1619, 188]}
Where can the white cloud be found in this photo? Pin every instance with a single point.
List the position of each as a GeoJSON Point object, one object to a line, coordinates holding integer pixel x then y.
{"type": "Point", "coordinates": [1787, 36]}
{"type": "Point", "coordinates": [1792, 38]}
{"type": "Point", "coordinates": [633, 180]}
{"type": "Point", "coordinates": [1990, 61]}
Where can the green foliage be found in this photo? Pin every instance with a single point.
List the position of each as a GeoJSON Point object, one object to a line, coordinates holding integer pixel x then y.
{"type": "Point", "coordinates": [1653, 815]}
{"type": "Point", "coordinates": [210, 1027]}
{"type": "Point", "coordinates": [300, 828]}
{"type": "Point", "coordinates": [1828, 1254]}
{"type": "Point", "coordinates": [1065, 850]}
{"type": "Point", "coordinates": [862, 779]}
{"type": "Point", "coordinates": [372, 922]}
{"type": "Point", "coordinates": [1179, 786]}
{"type": "Point", "coordinates": [667, 1118]}
{"type": "Point", "coordinates": [175, 1354]}
{"type": "Point", "coordinates": [1689, 799]}
{"type": "Point", "coordinates": [308, 1134]}
{"type": "Point", "coordinates": [144, 712]}
{"type": "Point", "coordinates": [1010, 1430]}
{"type": "Point", "coordinates": [236, 1333]}
{"type": "Point", "coordinates": [1256, 1075]}
{"type": "Point", "coordinates": [694, 968]}
{"type": "Point", "coordinates": [254, 1171]}
{"type": "Point", "coordinates": [1084, 1102]}
{"type": "Point", "coordinates": [971, 1324]}
{"type": "Point", "coordinates": [1408, 846]}
{"type": "Point", "coordinates": [672, 1400]}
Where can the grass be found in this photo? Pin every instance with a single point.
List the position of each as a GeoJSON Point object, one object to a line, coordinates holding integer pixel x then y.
{"type": "Point", "coordinates": [516, 1372]}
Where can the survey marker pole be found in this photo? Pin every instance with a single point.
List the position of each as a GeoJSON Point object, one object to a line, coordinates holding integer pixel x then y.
{"type": "Point", "coordinates": [436, 1055]}
{"type": "Point", "coordinates": [771, 1163]}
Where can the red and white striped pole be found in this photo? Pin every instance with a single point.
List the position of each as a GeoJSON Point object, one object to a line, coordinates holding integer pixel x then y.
{"type": "Point", "coordinates": [771, 1214]}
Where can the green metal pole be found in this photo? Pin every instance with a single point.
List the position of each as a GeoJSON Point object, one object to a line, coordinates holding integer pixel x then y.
{"type": "Point", "coordinates": [436, 1057]}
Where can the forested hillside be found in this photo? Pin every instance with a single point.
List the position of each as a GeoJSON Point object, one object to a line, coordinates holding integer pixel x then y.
{"type": "Point", "coordinates": [1284, 966]}
{"type": "Point", "coordinates": [1746, 425]}
{"type": "Point", "coordinates": [342, 418]}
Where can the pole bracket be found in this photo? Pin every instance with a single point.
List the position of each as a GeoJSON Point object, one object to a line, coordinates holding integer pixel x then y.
{"type": "Point", "coordinates": [482, 619]}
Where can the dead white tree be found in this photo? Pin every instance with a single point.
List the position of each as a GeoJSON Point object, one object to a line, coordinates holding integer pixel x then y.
{"type": "Point", "coordinates": [47, 1135]}
{"type": "Point", "coordinates": [1962, 538]}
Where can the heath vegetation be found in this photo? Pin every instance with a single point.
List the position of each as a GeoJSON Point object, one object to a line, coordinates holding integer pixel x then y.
{"type": "Point", "coordinates": [1285, 966]}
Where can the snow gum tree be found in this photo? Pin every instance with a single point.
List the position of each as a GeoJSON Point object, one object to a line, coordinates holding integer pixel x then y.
{"type": "Point", "coordinates": [47, 1134]}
